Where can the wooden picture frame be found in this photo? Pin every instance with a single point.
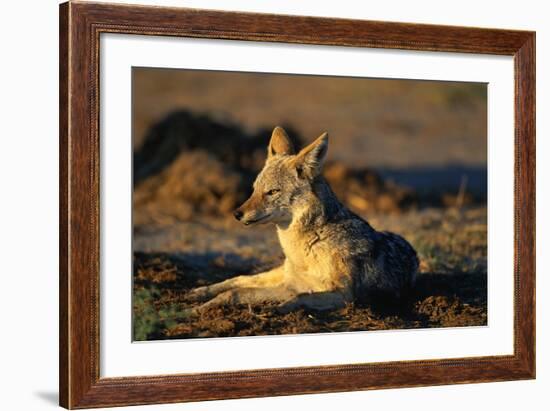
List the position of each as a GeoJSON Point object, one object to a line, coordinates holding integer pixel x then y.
{"type": "Point", "coordinates": [80, 27]}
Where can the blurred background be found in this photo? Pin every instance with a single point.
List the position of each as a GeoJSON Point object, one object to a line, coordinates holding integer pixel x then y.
{"type": "Point", "coordinates": [408, 155]}
{"type": "Point", "coordinates": [430, 137]}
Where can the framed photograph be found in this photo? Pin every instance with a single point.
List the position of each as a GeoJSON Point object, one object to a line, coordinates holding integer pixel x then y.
{"type": "Point", "coordinates": [259, 205]}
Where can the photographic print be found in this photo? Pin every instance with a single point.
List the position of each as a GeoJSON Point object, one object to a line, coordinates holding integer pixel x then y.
{"type": "Point", "coordinates": [236, 184]}
{"type": "Point", "coordinates": [268, 204]}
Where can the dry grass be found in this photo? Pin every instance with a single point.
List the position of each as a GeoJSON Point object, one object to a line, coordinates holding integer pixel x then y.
{"type": "Point", "coordinates": [451, 290]}
{"type": "Point", "coordinates": [200, 138]}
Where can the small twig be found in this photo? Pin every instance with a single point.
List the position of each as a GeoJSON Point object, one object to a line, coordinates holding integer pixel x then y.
{"type": "Point", "coordinates": [461, 191]}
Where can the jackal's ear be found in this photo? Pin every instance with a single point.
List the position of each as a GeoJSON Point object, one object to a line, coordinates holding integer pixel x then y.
{"type": "Point", "coordinates": [280, 143]}
{"type": "Point", "coordinates": [309, 160]}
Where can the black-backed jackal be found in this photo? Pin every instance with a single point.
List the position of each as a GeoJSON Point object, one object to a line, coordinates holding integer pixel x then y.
{"type": "Point", "coordinates": [332, 256]}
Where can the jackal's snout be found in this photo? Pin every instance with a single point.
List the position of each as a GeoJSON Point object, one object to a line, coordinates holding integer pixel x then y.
{"type": "Point", "coordinates": [252, 210]}
{"type": "Point", "coordinates": [238, 214]}
{"type": "Point", "coordinates": [241, 212]}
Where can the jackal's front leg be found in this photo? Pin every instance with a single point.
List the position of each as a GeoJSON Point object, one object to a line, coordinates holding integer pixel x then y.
{"type": "Point", "coordinates": [268, 279]}
{"type": "Point", "coordinates": [249, 296]}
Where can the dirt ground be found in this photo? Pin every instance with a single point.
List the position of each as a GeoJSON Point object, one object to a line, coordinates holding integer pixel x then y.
{"type": "Point", "coordinates": [171, 259]}
{"type": "Point", "coordinates": [408, 155]}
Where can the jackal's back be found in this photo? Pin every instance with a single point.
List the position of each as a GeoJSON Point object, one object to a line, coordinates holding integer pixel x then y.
{"type": "Point", "coordinates": [382, 260]}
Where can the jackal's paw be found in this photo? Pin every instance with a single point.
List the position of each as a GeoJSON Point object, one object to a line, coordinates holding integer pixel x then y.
{"type": "Point", "coordinates": [199, 294]}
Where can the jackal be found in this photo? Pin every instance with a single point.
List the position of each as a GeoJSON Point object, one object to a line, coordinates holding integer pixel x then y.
{"type": "Point", "coordinates": [332, 256]}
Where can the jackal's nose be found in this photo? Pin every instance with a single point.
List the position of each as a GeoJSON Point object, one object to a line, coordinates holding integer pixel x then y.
{"type": "Point", "coordinates": [238, 214]}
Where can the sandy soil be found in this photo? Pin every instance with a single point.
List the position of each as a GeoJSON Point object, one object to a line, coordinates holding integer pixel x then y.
{"type": "Point", "coordinates": [407, 154]}
{"type": "Point", "coordinates": [171, 259]}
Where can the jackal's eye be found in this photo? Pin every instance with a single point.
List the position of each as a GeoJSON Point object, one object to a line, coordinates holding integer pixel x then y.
{"type": "Point", "coordinates": [272, 192]}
